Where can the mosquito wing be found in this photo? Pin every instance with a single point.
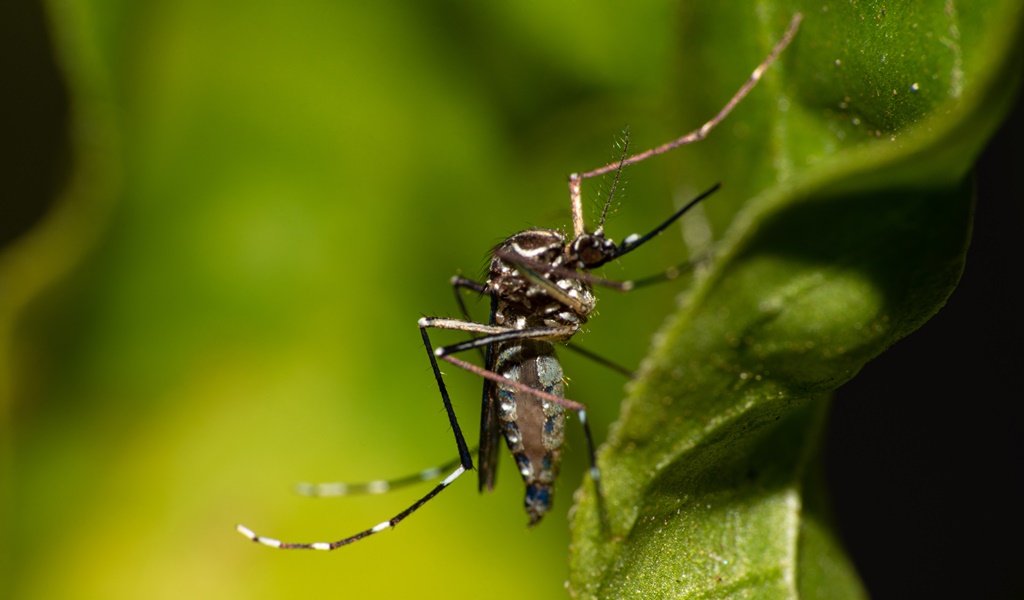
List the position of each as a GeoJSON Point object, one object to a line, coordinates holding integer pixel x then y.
{"type": "Point", "coordinates": [489, 431]}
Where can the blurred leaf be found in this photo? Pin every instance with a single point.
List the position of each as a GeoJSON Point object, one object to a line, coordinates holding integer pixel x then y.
{"type": "Point", "coordinates": [854, 234]}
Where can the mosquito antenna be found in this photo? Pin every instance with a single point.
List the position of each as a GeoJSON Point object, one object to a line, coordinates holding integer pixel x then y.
{"type": "Point", "coordinates": [615, 182]}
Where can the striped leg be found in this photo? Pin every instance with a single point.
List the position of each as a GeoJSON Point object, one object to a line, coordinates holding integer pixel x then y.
{"type": "Point", "coordinates": [266, 541]}
{"type": "Point", "coordinates": [380, 486]}
{"type": "Point", "coordinates": [465, 464]}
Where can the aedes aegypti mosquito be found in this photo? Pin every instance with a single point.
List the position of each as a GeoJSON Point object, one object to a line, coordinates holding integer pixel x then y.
{"type": "Point", "coordinates": [541, 293]}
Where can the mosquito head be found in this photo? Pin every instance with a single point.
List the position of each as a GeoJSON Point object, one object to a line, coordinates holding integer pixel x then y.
{"type": "Point", "coordinates": [591, 250]}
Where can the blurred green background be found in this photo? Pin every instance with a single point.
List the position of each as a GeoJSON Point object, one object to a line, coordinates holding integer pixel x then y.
{"type": "Point", "coordinates": [256, 203]}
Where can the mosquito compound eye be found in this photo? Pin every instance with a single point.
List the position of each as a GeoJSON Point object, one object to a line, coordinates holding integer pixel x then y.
{"type": "Point", "coordinates": [592, 256]}
{"type": "Point", "coordinates": [593, 250]}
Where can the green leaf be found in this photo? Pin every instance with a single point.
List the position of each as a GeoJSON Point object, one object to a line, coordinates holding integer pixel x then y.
{"type": "Point", "coordinates": [849, 234]}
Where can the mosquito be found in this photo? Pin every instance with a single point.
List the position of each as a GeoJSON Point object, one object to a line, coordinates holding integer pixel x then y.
{"type": "Point", "coordinates": [541, 293]}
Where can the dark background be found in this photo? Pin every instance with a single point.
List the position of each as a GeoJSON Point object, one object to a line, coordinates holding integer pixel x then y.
{"type": "Point", "coordinates": [924, 456]}
{"type": "Point", "coordinates": [925, 451]}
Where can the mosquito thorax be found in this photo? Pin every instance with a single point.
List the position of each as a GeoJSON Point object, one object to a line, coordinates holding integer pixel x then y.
{"type": "Point", "coordinates": [523, 301]}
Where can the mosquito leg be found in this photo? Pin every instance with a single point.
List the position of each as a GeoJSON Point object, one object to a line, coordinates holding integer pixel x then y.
{"type": "Point", "coordinates": [576, 179]}
{"type": "Point", "coordinates": [701, 132]}
{"type": "Point", "coordinates": [380, 486]}
{"type": "Point", "coordinates": [672, 272]}
{"type": "Point", "coordinates": [460, 283]}
{"type": "Point", "coordinates": [460, 325]}
{"type": "Point", "coordinates": [273, 543]}
{"type": "Point", "coordinates": [460, 440]}
{"type": "Point", "coordinates": [595, 471]}
{"type": "Point", "coordinates": [492, 334]}
{"type": "Point", "coordinates": [465, 464]}
{"type": "Point", "coordinates": [601, 360]}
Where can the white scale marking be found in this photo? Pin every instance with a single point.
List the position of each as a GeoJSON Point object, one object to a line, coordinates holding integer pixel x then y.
{"type": "Point", "coordinates": [380, 527]}
{"type": "Point", "coordinates": [321, 546]}
{"type": "Point", "coordinates": [378, 487]}
{"type": "Point", "coordinates": [530, 253]}
{"type": "Point", "coordinates": [454, 476]}
{"type": "Point", "coordinates": [322, 489]}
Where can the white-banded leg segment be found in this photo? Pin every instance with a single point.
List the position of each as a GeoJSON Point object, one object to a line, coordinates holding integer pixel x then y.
{"type": "Point", "coordinates": [275, 543]}
{"type": "Point", "coordinates": [380, 486]}
{"type": "Point", "coordinates": [465, 464]}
